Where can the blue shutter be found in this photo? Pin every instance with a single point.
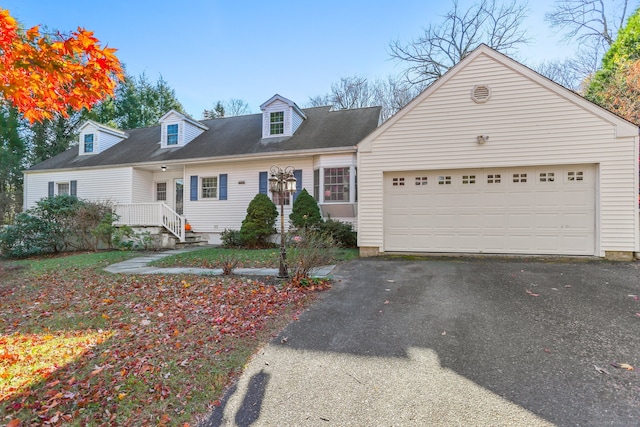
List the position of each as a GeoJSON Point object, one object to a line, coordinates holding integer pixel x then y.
{"type": "Point", "coordinates": [297, 174]}
{"type": "Point", "coordinates": [51, 189]}
{"type": "Point", "coordinates": [73, 188]}
{"type": "Point", "coordinates": [223, 186]}
{"type": "Point", "coordinates": [194, 187]}
{"type": "Point", "coordinates": [264, 183]}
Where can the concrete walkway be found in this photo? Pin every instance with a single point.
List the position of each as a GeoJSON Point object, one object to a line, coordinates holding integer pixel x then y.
{"type": "Point", "coordinates": [140, 265]}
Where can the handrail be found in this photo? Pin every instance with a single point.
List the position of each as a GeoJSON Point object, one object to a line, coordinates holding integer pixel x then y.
{"type": "Point", "coordinates": [155, 214]}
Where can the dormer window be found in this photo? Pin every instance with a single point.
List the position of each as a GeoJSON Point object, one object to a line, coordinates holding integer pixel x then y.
{"type": "Point", "coordinates": [88, 143]}
{"type": "Point", "coordinates": [172, 134]}
{"type": "Point", "coordinates": [277, 123]}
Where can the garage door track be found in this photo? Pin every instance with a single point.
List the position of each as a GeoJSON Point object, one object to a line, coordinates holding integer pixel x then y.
{"type": "Point", "coordinates": [455, 341]}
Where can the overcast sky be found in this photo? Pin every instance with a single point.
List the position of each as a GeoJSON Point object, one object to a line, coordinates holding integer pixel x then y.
{"type": "Point", "coordinates": [250, 50]}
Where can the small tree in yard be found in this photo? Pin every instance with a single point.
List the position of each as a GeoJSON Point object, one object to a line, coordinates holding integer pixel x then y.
{"type": "Point", "coordinates": [259, 223]}
{"type": "Point", "coordinates": [305, 212]}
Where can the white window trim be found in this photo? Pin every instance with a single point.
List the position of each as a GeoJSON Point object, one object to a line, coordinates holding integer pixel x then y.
{"type": "Point", "coordinates": [283, 133]}
{"type": "Point", "coordinates": [57, 187]}
{"type": "Point", "coordinates": [166, 191]}
{"type": "Point", "coordinates": [201, 189]}
{"type": "Point", "coordinates": [352, 184]}
{"type": "Point", "coordinates": [95, 143]}
{"type": "Point", "coordinates": [166, 142]}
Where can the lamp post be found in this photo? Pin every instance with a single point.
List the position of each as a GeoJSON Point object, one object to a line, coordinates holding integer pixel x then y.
{"type": "Point", "coordinates": [282, 182]}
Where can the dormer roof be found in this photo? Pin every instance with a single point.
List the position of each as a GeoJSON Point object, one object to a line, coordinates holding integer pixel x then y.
{"type": "Point", "coordinates": [281, 98]}
{"type": "Point", "coordinates": [104, 128]}
{"type": "Point", "coordinates": [183, 117]}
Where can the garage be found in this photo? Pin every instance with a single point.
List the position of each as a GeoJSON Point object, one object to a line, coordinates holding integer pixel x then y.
{"type": "Point", "coordinates": [533, 210]}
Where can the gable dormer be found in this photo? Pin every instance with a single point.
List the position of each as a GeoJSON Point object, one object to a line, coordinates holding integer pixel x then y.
{"type": "Point", "coordinates": [280, 117]}
{"type": "Point", "coordinates": [178, 130]}
{"type": "Point", "coordinates": [96, 138]}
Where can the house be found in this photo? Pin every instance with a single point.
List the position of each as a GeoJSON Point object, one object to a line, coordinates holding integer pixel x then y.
{"type": "Point", "coordinates": [495, 158]}
{"type": "Point", "coordinates": [206, 172]}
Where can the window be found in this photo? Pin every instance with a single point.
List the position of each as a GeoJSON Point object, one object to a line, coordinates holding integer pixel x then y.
{"type": "Point", "coordinates": [575, 176]}
{"type": "Point", "coordinates": [444, 180]}
{"type": "Point", "coordinates": [172, 134]}
{"type": "Point", "coordinates": [468, 179]}
{"type": "Point", "coordinates": [336, 184]}
{"type": "Point", "coordinates": [210, 187]}
{"type": "Point", "coordinates": [63, 189]}
{"type": "Point", "coordinates": [88, 143]}
{"type": "Point", "coordinates": [493, 178]}
{"type": "Point", "coordinates": [276, 125]}
{"type": "Point", "coordinates": [519, 177]}
{"type": "Point", "coordinates": [422, 180]}
{"type": "Point", "coordinates": [398, 182]}
{"type": "Point", "coordinates": [276, 198]}
{"type": "Point", "coordinates": [547, 177]}
{"type": "Point", "coordinates": [161, 191]}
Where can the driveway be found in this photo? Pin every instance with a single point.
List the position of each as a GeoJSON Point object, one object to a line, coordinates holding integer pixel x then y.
{"type": "Point", "coordinates": [454, 341]}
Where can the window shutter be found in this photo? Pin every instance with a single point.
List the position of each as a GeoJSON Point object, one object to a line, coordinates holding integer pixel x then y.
{"type": "Point", "coordinates": [194, 187]}
{"type": "Point", "coordinates": [73, 188]}
{"type": "Point", "coordinates": [264, 183]}
{"type": "Point", "coordinates": [51, 192]}
{"type": "Point", "coordinates": [222, 183]}
{"type": "Point", "coordinates": [297, 174]}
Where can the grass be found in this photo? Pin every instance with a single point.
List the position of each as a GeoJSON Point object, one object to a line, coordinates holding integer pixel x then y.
{"type": "Point", "coordinates": [247, 258]}
{"type": "Point", "coordinates": [79, 346]}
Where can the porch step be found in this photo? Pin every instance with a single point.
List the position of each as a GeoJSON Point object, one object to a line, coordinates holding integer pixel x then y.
{"type": "Point", "coordinates": [191, 239]}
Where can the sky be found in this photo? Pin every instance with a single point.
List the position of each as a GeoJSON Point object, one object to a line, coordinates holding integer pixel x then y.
{"type": "Point", "coordinates": [250, 50]}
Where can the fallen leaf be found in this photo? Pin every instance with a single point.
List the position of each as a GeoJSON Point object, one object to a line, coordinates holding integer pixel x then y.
{"type": "Point", "coordinates": [386, 302]}
{"type": "Point", "coordinates": [600, 370]}
{"type": "Point", "coordinates": [626, 366]}
{"type": "Point", "coordinates": [531, 293]}
{"type": "Point", "coordinates": [14, 423]}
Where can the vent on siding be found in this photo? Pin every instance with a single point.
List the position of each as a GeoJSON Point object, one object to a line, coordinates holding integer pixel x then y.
{"type": "Point", "coordinates": [480, 93]}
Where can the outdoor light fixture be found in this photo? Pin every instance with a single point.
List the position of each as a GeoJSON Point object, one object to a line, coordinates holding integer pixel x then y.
{"type": "Point", "coordinates": [481, 139]}
{"type": "Point", "coordinates": [163, 168]}
{"type": "Point", "coordinates": [282, 182]}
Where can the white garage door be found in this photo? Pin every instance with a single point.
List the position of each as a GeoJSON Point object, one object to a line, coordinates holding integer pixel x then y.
{"type": "Point", "coordinates": [541, 210]}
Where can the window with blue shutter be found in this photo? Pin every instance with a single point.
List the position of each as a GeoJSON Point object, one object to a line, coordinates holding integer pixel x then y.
{"type": "Point", "coordinates": [297, 174]}
{"type": "Point", "coordinates": [264, 183]}
{"type": "Point", "coordinates": [193, 190]}
{"type": "Point", "coordinates": [222, 183]}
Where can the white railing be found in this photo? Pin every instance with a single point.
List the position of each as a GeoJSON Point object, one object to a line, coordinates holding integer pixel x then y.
{"type": "Point", "coordinates": [151, 214]}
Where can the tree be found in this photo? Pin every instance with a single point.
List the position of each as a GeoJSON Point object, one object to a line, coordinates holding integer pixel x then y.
{"type": "Point", "coordinates": [233, 107]}
{"type": "Point", "coordinates": [259, 223]}
{"type": "Point", "coordinates": [497, 25]}
{"type": "Point", "coordinates": [46, 74]}
{"type": "Point", "coordinates": [12, 160]}
{"type": "Point", "coordinates": [616, 85]}
{"type": "Point", "coordinates": [305, 212]}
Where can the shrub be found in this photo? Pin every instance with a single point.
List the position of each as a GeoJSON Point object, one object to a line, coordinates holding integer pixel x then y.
{"type": "Point", "coordinates": [227, 263]}
{"type": "Point", "coordinates": [305, 212]}
{"type": "Point", "coordinates": [231, 239]}
{"type": "Point", "coordinates": [309, 249]}
{"type": "Point", "coordinates": [259, 223]}
{"type": "Point", "coordinates": [341, 232]}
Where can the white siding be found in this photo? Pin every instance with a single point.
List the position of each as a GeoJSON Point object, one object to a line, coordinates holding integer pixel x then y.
{"type": "Point", "coordinates": [242, 186]}
{"type": "Point", "coordinates": [98, 185]}
{"type": "Point", "coordinates": [86, 130]}
{"type": "Point", "coordinates": [106, 141]}
{"type": "Point", "coordinates": [334, 160]}
{"type": "Point", "coordinates": [191, 132]}
{"type": "Point", "coordinates": [142, 190]}
{"type": "Point", "coordinates": [527, 123]}
{"type": "Point", "coordinates": [296, 121]}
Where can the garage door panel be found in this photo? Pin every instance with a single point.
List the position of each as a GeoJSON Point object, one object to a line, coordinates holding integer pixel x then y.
{"type": "Point", "coordinates": [551, 212]}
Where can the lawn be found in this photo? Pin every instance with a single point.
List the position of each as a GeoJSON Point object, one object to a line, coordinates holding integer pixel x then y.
{"type": "Point", "coordinates": [248, 258]}
{"type": "Point", "coordinates": [79, 346]}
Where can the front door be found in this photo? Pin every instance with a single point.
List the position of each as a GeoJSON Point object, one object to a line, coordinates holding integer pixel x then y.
{"type": "Point", "coordinates": [179, 186]}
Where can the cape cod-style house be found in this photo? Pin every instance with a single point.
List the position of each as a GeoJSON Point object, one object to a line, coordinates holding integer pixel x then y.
{"type": "Point", "coordinates": [206, 172]}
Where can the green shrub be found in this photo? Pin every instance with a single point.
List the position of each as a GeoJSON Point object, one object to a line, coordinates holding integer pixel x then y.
{"type": "Point", "coordinates": [341, 232]}
{"type": "Point", "coordinates": [305, 212]}
{"type": "Point", "coordinates": [231, 239]}
{"type": "Point", "coordinates": [259, 223]}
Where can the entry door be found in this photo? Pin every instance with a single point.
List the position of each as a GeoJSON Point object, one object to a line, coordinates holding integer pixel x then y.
{"type": "Point", "coordinates": [179, 186]}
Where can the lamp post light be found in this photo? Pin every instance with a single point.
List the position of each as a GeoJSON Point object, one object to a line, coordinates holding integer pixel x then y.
{"type": "Point", "coordinates": [282, 182]}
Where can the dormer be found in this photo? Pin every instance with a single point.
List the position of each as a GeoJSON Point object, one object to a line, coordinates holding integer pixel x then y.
{"type": "Point", "coordinates": [178, 130]}
{"type": "Point", "coordinates": [280, 117]}
{"type": "Point", "coordinates": [96, 138]}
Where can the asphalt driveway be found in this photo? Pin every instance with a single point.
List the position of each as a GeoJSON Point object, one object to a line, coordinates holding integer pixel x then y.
{"type": "Point", "coordinates": [456, 341]}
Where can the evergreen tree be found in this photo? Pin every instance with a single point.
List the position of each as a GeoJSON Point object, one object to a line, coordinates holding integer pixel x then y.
{"type": "Point", "coordinates": [305, 212]}
{"type": "Point", "coordinates": [259, 223]}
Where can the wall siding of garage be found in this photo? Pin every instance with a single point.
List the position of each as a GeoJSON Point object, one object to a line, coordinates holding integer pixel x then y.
{"type": "Point", "coordinates": [97, 185]}
{"type": "Point", "coordinates": [527, 125]}
{"type": "Point", "coordinates": [214, 216]}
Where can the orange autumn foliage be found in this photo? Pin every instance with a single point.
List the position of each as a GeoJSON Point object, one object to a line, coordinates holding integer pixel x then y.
{"type": "Point", "coordinates": [42, 75]}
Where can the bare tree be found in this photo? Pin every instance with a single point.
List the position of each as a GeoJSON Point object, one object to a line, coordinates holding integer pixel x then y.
{"type": "Point", "coordinates": [585, 20]}
{"type": "Point", "coordinates": [236, 107]}
{"type": "Point", "coordinates": [497, 25]}
{"type": "Point", "coordinates": [357, 92]}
